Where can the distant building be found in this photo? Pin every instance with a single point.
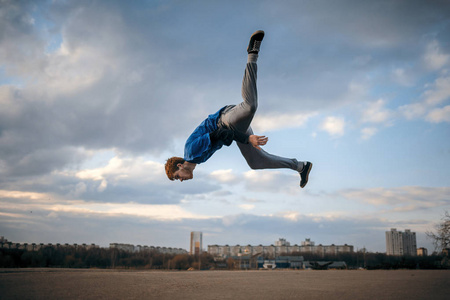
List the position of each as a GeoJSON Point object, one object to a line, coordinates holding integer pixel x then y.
{"type": "Point", "coordinates": [281, 247]}
{"type": "Point", "coordinates": [196, 242]}
{"type": "Point", "coordinates": [281, 262]}
{"type": "Point", "coordinates": [422, 251]}
{"type": "Point", "coordinates": [132, 248]}
{"type": "Point", "coordinates": [401, 243]}
{"type": "Point", "coordinates": [282, 242]}
{"type": "Point", "coordinates": [4, 243]}
{"type": "Point", "coordinates": [251, 262]}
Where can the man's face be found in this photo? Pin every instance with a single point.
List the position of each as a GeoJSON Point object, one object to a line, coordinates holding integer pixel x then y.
{"type": "Point", "coordinates": [182, 174]}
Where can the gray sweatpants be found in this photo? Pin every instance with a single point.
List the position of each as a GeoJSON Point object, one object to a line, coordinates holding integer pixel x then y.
{"type": "Point", "coordinates": [239, 118]}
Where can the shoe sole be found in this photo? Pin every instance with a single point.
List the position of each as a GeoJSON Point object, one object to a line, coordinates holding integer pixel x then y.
{"type": "Point", "coordinates": [258, 32]}
{"type": "Point", "coordinates": [307, 175]}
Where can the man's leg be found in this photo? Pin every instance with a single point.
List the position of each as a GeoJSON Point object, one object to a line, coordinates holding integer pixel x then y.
{"type": "Point", "coordinates": [240, 116]}
{"type": "Point", "coordinates": [260, 159]}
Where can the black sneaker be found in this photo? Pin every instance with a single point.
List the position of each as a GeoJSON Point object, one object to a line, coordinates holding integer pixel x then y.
{"type": "Point", "coordinates": [305, 173]}
{"type": "Point", "coordinates": [255, 41]}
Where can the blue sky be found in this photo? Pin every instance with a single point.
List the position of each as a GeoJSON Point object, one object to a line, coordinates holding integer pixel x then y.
{"type": "Point", "coordinates": [96, 95]}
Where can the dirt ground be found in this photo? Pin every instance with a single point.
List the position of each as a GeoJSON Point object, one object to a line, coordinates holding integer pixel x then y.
{"type": "Point", "coordinates": [276, 284]}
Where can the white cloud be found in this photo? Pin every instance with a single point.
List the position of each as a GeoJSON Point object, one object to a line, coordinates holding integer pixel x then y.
{"type": "Point", "coordinates": [23, 195]}
{"type": "Point", "coordinates": [413, 111]}
{"type": "Point", "coordinates": [119, 168]}
{"type": "Point", "coordinates": [439, 115]}
{"type": "Point", "coordinates": [103, 185]}
{"type": "Point", "coordinates": [290, 215]}
{"type": "Point", "coordinates": [436, 94]}
{"type": "Point", "coordinates": [247, 206]}
{"type": "Point", "coordinates": [357, 89]}
{"type": "Point", "coordinates": [402, 77]}
{"type": "Point", "coordinates": [408, 198]}
{"type": "Point", "coordinates": [158, 212]}
{"type": "Point", "coordinates": [260, 176]}
{"type": "Point", "coordinates": [335, 126]}
{"type": "Point", "coordinates": [272, 181]}
{"type": "Point", "coordinates": [434, 58]}
{"type": "Point", "coordinates": [42, 202]}
{"type": "Point", "coordinates": [224, 176]}
{"type": "Point", "coordinates": [72, 70]}
{"type": "Point", "coordinates": [232, 220]}
{"type": "Point", "coordinates": [261, 179]}
{"type": "Point", "coordinates": [368, 132]}
{"type": "Point", "coordinates": [439, 91]}
{"type": "Point", "coordinates": [375, 112]}
{"type": "Point", "coordinates": [10, 107]}
{"type": "Point", "coordinates": [270, 122]}
{"type": "Point", "coordinates": [80, 189]}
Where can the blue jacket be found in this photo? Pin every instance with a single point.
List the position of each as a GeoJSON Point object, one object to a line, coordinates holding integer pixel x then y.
{"type": "Point", "coordinates": [198, 147]}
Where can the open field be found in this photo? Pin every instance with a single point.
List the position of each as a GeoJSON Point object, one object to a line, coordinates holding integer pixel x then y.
{"type": "Point", "coordinates": [124, 284]}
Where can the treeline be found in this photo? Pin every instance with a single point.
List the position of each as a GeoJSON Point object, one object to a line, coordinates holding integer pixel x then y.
{"type": "Point", "coordinates": [71, 257]}
{"type": "Point", "coordinates": [373, 261]}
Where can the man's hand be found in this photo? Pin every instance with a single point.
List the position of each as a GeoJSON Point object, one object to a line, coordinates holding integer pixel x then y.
{"type": "Point", "coordinates": [257, 141]}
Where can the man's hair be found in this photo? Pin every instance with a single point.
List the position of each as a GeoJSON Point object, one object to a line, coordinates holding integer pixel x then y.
{"type": "Point", "coordinates": [171, 166]}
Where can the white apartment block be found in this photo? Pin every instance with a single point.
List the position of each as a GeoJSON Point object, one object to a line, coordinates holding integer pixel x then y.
{"type": "Point", "coordinates": [281, 247]}
{"type": "Point", "coordinates": [401, 243]}
{"type": "Point", "coordinates": [35, 246]}
{"type": "Point", "coordinates": [5, 244]}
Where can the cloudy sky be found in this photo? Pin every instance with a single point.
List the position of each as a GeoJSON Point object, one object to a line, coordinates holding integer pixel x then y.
{"type": "Point", "coordinates": [96, 95]}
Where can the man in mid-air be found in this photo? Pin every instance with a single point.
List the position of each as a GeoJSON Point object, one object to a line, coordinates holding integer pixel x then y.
{"type": "Point", "coordinates": [232, 123]}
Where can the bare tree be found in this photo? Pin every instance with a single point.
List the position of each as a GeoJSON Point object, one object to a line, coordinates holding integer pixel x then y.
{"type": "Point", "coordinates": [441, 235]}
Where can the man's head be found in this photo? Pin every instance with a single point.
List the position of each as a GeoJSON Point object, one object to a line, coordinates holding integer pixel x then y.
{"type": "Point", "coordinates": [176, 169]}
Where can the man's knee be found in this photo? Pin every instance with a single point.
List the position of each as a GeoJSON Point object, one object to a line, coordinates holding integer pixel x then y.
{"type": "Point", "coordinates": [253, 107]}
{"type": "Point", "coordinates": [254, 165]}
{"type": "Point", "coordinates": [250, 103]}
{"type": "Point", "coordinates": [250, 106]}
